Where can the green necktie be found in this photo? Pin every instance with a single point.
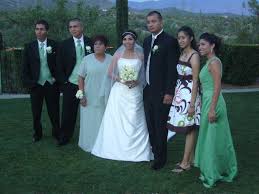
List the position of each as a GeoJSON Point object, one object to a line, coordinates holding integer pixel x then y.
{"type": "Point", "coordinates": [42, 52]}
{"type": "Point", "coordinates": [79, 49]}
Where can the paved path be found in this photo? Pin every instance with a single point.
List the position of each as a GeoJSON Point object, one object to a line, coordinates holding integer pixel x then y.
{"type": "Point", "coordinates": [234, 90]}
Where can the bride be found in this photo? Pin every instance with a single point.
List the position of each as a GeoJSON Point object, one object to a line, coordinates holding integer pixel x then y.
{"type": "Point", "coordinates": [123, 133]}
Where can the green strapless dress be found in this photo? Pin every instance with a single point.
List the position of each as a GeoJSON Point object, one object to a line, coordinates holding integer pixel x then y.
{"type": "Point", "coordinates": [214, 154]}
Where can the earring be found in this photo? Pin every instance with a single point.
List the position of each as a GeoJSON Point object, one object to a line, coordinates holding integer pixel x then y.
{"type": "Point", "coordinates": [211, 50]}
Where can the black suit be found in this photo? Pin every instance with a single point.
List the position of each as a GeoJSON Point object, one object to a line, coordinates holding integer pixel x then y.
{"type": "Point", "coordinates": [162, 79]}
{"type": "Point", "coordinates": [66, 61]}
{"type": "Point", "coordinates": [31, 73]}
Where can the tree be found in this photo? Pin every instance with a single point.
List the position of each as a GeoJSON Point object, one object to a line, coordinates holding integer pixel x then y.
{"type": "Point", "coordinates": [254, 7]}
{"type": "Point", "coordinates": [121, 18]}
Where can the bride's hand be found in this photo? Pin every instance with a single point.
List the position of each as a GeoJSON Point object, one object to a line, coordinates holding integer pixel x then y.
{"type": "Point", "coordinates": [132, 84]}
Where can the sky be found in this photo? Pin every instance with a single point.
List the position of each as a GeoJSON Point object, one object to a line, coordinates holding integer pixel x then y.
{"type": "Point", "coordinates": [138, 0]}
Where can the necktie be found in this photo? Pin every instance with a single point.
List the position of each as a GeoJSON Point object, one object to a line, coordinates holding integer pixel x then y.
{"type": "Point", "coordinates": [42, 52]}
{"type": "Point", "coordinates": [79, 48]}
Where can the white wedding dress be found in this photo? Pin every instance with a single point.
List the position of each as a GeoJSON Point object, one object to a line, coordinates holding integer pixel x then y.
{"type": "Point", "coordinates": [123, 133]}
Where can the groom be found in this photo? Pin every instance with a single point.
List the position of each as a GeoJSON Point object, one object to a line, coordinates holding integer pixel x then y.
{"type": "Point", "coordinates": [161, 53]}
{"type": "Point", "coordinates": [70, 55]}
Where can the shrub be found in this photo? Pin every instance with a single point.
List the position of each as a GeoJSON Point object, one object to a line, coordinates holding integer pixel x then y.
{"type": "Point", "coordinates": [240, 64]}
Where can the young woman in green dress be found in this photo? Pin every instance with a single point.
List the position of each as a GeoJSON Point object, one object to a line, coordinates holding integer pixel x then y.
{"type": "Point", "coordinates": [215, 154]}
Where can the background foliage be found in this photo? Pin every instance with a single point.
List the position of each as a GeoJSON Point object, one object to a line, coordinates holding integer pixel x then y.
{"type": "Point", "coordinates": [241, 64]}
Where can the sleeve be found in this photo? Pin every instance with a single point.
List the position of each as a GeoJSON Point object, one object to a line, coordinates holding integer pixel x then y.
{"type": "Point", "coordinates": [60, 71]}
{"type": "Point", "coordinates": [82, 70]}
{"type": "Point", "coordinates": [172, 59]}
{"type": "Point", "coordinates": [55, 71]}
{"type": "Point", "coordinates": [26, 76]}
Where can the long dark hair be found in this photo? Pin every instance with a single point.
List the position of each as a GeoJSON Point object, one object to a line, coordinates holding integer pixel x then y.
{"type": "Point", "coordinates": [189, 32]}
{"type": "Point", "coordinates": [212, 39]}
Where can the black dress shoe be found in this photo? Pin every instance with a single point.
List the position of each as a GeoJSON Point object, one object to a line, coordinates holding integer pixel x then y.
{"type": "Point", "coordinates": [56, 136]}
{"type": "Point", "coordinates": [63, 141]}
{"type": "Point", "coordinates": [36, 138]}
{"type": "Point", "coordinates": [157, 165]}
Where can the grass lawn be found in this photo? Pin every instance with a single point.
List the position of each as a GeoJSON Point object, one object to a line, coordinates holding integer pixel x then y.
{"type": "Point", "coordinates": [42, 167]}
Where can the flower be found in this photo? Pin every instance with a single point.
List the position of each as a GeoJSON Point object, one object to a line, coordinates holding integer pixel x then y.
{"type": "Point", "coordinates": [88, 49]}
{"type": "Point", "coordinates": [49, 49]}
{"type": "Point", "coordinates": [128, 74]}
{"type": "Point", "coordinates": [79, 94]}
{"type": "Point", "coordinates": [155, 48]}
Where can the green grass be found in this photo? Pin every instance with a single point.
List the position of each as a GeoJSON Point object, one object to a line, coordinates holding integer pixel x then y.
{"type": "Point", "coordinates": [42, 167]}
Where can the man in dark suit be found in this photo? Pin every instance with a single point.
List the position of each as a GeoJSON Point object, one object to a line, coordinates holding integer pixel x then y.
{"type": "Point", "coordinates": [39, 75]}
{"type": "Point", "coordinates": [70, 54]}
{"type": "Point", "coordinates": [160, 57]}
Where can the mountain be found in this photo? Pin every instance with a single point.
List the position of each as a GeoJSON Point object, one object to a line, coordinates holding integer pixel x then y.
{"type": "Point", "coordinates": [17, 4]}
{"type": "Point", "coordinates": [208, 6]}
{"type": "Point", "coordinates": [196, 6]}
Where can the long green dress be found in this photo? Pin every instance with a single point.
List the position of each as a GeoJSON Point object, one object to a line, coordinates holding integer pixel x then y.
{"type": "Point", "coordinates": [214, 154]}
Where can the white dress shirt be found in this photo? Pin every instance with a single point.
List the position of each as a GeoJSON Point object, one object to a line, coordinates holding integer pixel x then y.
{"type": "Point", "coordinates": [154, 36]}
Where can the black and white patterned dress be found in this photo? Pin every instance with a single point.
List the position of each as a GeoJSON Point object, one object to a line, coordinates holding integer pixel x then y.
{"type": "Point", "coordinates": [178, 119]}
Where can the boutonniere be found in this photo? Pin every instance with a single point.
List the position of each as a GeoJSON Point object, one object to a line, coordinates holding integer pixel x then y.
{"type": "Point", "coordinates": [49, 49]}
{"type": "Point", "coordinates": [155, 49]}
{"type": "Point", "coordinates": [88, 49]}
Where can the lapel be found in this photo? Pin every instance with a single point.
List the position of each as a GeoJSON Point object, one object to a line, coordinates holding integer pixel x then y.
{"type": "Point", "coordinates": [149, 43]}
{"type": "Point", "coordinates": [85, 44]}
{"type": "Point", "coordinates": [157, 42]}
{"type": "Point", "coordinates": [48, 57]}
{"type": "Point", "coordinates": [35, 50]}
{"type": "Point", "coordinates": [71, 46]}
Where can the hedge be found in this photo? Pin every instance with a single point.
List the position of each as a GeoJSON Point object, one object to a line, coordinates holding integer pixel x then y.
{"type": "Point", "coordinates": [11, 71]}
{"type": "Point", "coordinates": [240, 67]}
{"type": "Point", "coordinates": [240, 64]}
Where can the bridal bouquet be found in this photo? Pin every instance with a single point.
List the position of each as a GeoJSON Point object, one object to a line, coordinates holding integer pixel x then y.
{"type": "Point", "coordinates": [128, 74]}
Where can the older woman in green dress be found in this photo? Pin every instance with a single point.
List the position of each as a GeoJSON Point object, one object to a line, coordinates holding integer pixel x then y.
{"type": "Point", "coordinates": [92, 76]}
{"type": "Point", "coordinates": [215, 154]}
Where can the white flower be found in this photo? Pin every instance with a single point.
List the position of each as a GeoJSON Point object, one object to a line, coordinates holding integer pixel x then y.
{"type": "Point", "coordinates": [88, 49]}
{"type": "Point", "coordinates": [155, 48]}
{"type": "Point", "coordinates": [128, 74]}
{"type": "Point", "coordinates": [79, 94]}
{"type": "Point", "coordinates": [49, 49]}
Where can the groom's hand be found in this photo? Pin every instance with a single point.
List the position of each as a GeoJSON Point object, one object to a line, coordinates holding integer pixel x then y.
{"type": "Point", "coordinates": [168, 99]}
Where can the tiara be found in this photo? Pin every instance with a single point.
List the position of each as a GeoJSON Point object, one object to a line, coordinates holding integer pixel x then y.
{"type": "Point", "coordinates": [126, 33]}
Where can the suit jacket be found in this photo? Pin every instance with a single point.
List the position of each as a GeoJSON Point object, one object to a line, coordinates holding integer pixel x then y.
{"type": "Point", "coordinates": [163, 61]}
{"type": "Point", "coordinates": [31, 62]}
{"type": "Point", "coordinates": [66, 58]}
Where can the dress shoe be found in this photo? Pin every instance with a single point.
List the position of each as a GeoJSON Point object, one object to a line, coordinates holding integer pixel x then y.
{"type": "Point", "coordinates": [157, 165]}
{"type": "Point", "coordinates": [56, 136]}
{"type": "Point", "coordinates": [36, 138]}
{"type": "Point", "coordinates": [63, 141]}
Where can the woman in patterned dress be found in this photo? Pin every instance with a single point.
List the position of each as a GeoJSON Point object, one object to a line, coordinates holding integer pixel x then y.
{"type": "Point", "coordinates": [184, 115]}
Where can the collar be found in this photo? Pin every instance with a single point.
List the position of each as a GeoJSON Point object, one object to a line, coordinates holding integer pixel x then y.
{"type": "Point", "coordinates": [155, 36]}
{"type": "Point", "coordinates": [45, 42]}
{"type": "Point", "coordinates": [81, 38]}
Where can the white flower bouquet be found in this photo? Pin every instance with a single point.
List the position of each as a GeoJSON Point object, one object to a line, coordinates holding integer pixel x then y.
{"type": "Point", "coordinates": [128, 74]}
